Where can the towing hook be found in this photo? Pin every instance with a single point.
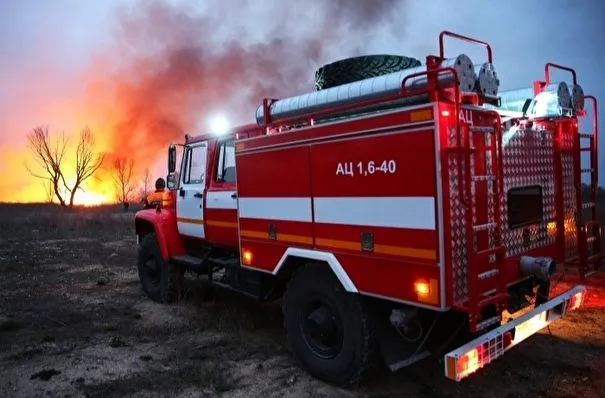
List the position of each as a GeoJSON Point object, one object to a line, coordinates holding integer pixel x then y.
{"type": "Point", "coordinates": [540, 267]}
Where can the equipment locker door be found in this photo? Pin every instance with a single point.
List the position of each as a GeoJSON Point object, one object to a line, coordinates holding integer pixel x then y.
{"type": "Point", "coordinates": [190, 199]}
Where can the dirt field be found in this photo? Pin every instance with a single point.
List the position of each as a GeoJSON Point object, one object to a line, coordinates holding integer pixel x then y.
{"type": "Point", "coordinates": [74, 322]}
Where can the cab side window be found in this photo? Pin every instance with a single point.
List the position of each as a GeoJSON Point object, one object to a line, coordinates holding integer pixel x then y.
{"type": "Point", "coordinates": [226, 162]}
{"type": "Point", "coordinates": [195, 165]}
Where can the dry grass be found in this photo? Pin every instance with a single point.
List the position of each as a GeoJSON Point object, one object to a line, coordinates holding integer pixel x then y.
{"type": "Point", "coordinates": [73, 317]}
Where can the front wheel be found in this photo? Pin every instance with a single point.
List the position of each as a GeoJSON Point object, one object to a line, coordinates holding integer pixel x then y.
{"type": "Point", "coordinates": [161, 280]}
{"type": "Point", "coordinates": [328, 329]}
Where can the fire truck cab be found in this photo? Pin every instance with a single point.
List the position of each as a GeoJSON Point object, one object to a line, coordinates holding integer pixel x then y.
{"type": "Point", "coordinates": [390, 215]}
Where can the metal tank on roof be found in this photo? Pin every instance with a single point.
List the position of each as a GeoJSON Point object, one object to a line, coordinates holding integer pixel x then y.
{"type": "Point", "coordinates": [554, 100]}
{"type": "Point", "coordinates": [366, 89]}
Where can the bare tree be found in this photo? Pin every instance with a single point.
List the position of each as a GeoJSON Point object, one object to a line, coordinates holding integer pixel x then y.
{"type": "Point", "coordinates": [125, 185]}
{"type": "Point", "coordinates": [49, 156]}
{"type": "Point", "coordinates": [146, 182]}
{"type": "Point", "coordinates": [87, 161]}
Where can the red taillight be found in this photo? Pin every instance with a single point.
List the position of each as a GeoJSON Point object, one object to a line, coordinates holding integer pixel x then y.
{"type": "Point", "coordinates": [471, 361]}
{"type": "Point", "coordinates": [508, 339]}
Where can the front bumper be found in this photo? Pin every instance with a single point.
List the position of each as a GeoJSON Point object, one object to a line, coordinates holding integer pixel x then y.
{"type": "Point", "coordinates": [476, 354]}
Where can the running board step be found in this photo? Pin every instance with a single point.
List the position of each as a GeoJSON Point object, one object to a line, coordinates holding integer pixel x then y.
{"type": "Point", "coordinates": [188, 261]}
{"type": "Point", "coordinates": [498, 298]}
{"type": "Point", "coordinates": [488, 177]}
{"type": "Point", "coordinates": [480, 129]}
{"type": "Point", "coordinates": [488, 274]}
{"type": "Point", "coordinates": [489, 252]}
{"type": "Point", "coordinates": [483, 227]}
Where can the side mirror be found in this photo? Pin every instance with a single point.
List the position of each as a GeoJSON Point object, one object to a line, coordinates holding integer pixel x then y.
{"type": "Point", "coordinates": [171, 181]}
{"type": "Point", "coordinates": [171, 159]}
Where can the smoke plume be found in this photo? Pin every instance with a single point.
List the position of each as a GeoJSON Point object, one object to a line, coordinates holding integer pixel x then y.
{"type": "Point", "coordinates": [170, 65]}
{"type": "Point", "coordinates": [178, 66]}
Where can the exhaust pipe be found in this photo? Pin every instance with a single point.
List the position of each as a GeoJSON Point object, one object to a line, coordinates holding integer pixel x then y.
{"type": "Point", "coordinates": [541, 267]}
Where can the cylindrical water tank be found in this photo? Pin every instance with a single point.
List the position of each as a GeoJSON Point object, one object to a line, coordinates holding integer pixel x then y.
{"type": "Point", "coordinates": [368, 89]}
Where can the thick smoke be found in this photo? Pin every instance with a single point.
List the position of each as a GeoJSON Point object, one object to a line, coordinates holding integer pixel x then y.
{"type": "Point", "coordinates": [173, 66]}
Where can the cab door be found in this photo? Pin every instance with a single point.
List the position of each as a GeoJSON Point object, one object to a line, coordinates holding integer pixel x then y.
{"type": "Point", "coordinates": [190, 197]}
{"type": "Point", "coordinates": [221, 201]}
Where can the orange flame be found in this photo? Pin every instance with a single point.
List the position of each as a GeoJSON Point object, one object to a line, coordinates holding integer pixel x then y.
{"type": "Point", "coordinates": [164, 75]}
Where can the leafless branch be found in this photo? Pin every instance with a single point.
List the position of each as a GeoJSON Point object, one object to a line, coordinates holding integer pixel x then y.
{"type": "Point", "coordinates": [87, 162]}
{"type": "Point", "coordinates": [49, 156]}
{"type": "Point", "coordinates": [123, 178]}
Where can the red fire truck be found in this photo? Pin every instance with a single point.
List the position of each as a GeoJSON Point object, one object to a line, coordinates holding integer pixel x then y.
{"type": "Point", "coordinates": [393, 215]}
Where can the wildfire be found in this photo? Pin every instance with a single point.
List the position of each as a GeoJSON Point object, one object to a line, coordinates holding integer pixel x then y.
{"type": "Point", "coordinates": [167, 70]}
{"type": "Point", "coordinates": [92, 199]}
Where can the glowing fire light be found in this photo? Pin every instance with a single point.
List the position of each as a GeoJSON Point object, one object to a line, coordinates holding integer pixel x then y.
{"type": "Point", "coordinates": [91, 199]}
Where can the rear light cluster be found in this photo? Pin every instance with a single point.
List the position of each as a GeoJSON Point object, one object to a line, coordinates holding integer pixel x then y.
{"type": "Point", "coordinates": [463, 365]}
{"type": "Point", "coordinates": [473, 356]}
{"type": "Point", "coordinates": [575, 301]}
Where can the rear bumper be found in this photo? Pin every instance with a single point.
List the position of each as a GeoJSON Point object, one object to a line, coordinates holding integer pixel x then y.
{"type": "Point", "coordinates": [478, 353]}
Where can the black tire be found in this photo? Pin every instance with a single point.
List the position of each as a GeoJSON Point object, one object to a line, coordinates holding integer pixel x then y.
{"type": "Point", "coordinates": [349, 70]}
{"type": "Point", "coordinates": [161, 281]}
{"type": "Point", "coordinates": [353, 354]}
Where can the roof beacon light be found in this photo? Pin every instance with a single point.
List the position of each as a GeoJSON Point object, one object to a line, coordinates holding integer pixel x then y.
{"type": "Point", "coordinates": [219, 125]}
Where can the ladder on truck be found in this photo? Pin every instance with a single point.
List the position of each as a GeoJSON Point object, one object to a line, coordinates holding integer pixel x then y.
{"type": "Point", "coordinates": [588, 229]}
{"type": "Point", "coordinates": [485, 256]}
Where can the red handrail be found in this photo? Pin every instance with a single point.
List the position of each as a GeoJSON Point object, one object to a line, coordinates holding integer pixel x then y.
{"type": "Point", "coordinates": [595, 147]}
{"type": "Point", "coordinates": [550, 65]}
{"type": "Point", "coordinates": [595, 128]}
{"type": "Point", "coordinates": [456, 114]}
{"type": "Point", "coordinates": [464, 38]}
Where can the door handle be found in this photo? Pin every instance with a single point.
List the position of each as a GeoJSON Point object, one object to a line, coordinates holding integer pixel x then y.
{"type": "Point", "coordinates": [234, 195]}
{"type": "Point", "coordinates": [198, 195]}
{"type": "Point", "coordinates": [182, 192]}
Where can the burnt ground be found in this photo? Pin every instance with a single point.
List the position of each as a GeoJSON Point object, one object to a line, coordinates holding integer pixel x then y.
{"type": "Point", "coordinates": [74, 322]}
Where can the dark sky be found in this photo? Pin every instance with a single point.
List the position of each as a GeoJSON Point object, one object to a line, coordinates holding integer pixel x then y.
{"type": "Point", "coordinates": [49, 48]}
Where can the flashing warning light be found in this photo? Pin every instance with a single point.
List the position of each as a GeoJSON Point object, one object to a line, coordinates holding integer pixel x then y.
{"type": "Point", "coordinates": [219, 125]}
{"type": "Point", "coordinates": [247, 257]}
{"type": "Point", "coordinates": [445, 113]}
{"type": "Point", "coordinates": [422, 287]}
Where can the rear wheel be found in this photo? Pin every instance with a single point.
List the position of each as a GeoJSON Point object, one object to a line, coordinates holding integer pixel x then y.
{"type": "Point", "coordinates": [328, 329]}
{"type": "Point", "coordinates": [161, 281]}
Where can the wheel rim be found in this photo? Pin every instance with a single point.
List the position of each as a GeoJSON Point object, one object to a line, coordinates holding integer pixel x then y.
{"type": "Point", "coordinates": [152, 272]}
{"type": "Point", "coordinates": [322, 328]}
